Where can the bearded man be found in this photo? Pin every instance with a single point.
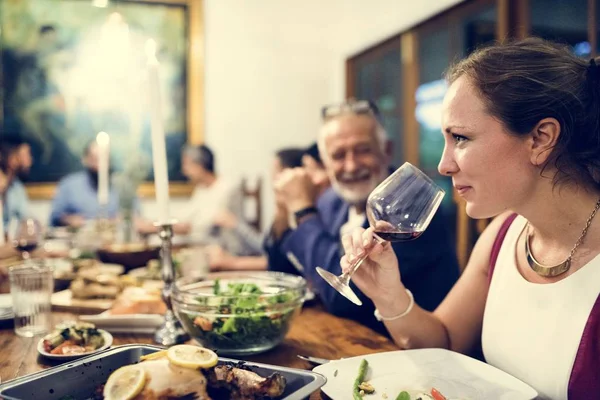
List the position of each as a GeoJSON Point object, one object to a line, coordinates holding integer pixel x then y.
{"type": "Point", "coordinates": [356, 155]}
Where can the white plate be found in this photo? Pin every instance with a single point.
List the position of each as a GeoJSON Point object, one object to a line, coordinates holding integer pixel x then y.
{"type": "Point", "coordinates": [108, 339]}
{"type": "Point", "coordinates": [126, 323]}
{"type": "Point", "coordinates": [453, 374]}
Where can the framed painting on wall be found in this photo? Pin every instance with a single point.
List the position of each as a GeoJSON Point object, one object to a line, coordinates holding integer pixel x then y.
{"type": "Point", "coordinates": [73, 68]}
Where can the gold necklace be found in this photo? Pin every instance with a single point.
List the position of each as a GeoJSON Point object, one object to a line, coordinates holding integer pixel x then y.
{"type": "Point", "coordinates": [563, 267]}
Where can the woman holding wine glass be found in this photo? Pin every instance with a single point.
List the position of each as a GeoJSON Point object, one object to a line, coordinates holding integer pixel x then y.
{"type": "Point", "coordinates": [521, 123]}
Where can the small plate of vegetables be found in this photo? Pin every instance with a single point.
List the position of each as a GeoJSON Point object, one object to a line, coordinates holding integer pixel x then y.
{"type": "Point", "coordinates": [71, 340]}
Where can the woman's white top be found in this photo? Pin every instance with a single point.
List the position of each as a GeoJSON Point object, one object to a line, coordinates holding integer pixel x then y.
{"type": "Point", "coordinates": [532, 331]}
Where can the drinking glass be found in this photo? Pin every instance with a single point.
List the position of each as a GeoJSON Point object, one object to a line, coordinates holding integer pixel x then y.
{"type": "Point", "coordinates": [27, 236]}
{"type": "Point", "coordinates": [399, 209]}
{"type": "Point", "coordinates": [31, 287]}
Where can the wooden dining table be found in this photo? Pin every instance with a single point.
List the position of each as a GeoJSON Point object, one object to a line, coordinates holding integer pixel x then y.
{"type": "Point", "coordinates": [314, 333]}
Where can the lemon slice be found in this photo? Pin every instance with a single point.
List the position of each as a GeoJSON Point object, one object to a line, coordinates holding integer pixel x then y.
{"type": "Point", "coordinates": [154, 356]}
{"type": "Point", "coordinates": [188, 356]}
{"type": "Point", "coordinates": [125, 383]}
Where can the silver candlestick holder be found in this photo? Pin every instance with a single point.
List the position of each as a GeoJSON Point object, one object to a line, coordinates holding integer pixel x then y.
{"type": "Point", "coordinates": [170, 332]}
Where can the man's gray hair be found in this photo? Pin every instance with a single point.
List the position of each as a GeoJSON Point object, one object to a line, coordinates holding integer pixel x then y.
{"type": "Point", "coordinates": [380, 134]}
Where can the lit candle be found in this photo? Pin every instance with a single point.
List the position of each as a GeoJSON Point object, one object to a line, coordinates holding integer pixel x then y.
{"type": "Point", "coordinates": [103, 142]}
{"type": "Point", "coordinates": [159, 152]}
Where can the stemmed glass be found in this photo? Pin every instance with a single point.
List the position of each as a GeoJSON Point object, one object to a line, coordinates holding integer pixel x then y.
{"type": "Point", "coordinates": [27, 236]}
{"type": "Point", "coordinates": [399, 209]}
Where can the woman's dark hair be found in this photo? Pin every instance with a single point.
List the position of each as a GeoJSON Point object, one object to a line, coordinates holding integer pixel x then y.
{"type": "Point", "coordinates": [202, 156]}
{"type": "Point", "coordinates": [313, 152]}
{"type": "Point", "coordinates": [290, 157]}
{"type": "Point", "coordinates": [525, 81]}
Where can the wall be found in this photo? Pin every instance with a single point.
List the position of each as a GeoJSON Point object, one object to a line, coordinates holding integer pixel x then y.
{"type": "Point", "coordinates": [271, 64]}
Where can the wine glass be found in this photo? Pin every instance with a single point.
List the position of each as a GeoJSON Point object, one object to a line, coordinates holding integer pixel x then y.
{"type": "Point", "coordinates": [27, 236]}
{"type": "Point", "coordinates": [399, 209]}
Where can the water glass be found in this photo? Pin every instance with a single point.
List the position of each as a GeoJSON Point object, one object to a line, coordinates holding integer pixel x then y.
{"type": "Point", "coordinates": [31, 287]}
{"type": "Point", "coordinates": [194, 262]}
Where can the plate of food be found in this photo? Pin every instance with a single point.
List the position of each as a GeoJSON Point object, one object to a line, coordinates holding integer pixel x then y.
{"type": "Point", "coordinates": [136, 310]}
{"type": "Point", "coordinates": [424, 373]}
{"type": "Point", "coordinates": [148, 371]}
{"type": "Point", "coordinates": [71, 340]}
{"type": "Point", "coordinates": [125, 323]}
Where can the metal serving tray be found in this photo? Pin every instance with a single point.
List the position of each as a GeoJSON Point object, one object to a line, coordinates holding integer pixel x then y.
{"type": "Point", "coordinates": [79, 379]}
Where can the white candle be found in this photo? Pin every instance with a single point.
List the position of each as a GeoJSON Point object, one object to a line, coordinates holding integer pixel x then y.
{"type": "Point", "coordinates": [2, 237]}
{"type": "Point", "coordinates": [159, 152]}
{"type": "Point", "coordinates": [103, 142]}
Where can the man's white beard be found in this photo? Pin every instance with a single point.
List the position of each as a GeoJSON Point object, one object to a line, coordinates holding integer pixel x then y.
{"type": "Point", "coordinates": [356, 196]}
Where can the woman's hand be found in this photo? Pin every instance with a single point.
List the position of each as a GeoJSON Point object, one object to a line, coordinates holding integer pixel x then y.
{"type": "Point", "coordinates": [378, 277]}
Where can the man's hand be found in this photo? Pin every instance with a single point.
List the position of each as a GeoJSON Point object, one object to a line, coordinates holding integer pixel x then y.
{"type": "Point", "coordinates": [295, 188]}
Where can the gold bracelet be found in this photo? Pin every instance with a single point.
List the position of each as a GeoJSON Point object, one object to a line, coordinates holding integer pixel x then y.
{"type": "Point", "coordinates": [411, 303]}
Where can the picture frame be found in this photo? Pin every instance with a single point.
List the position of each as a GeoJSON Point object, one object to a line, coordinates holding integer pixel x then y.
{"type": "Point", "coordinates": [72, 68]}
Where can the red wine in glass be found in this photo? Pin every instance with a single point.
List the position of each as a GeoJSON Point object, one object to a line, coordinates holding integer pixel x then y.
{"type": "Point", "coordinates": [27, 236]}
{"type": "Point", "coordinates": [25, 246]}
{"type": "Point", "coordinates": [398, 236]}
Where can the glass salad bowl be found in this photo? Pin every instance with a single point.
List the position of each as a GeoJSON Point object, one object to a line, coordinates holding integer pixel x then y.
{"type": "Point", "coordinates": [239, 313]}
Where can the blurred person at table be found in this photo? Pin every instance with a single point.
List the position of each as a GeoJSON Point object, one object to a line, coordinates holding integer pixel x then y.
{"type": "Point", "coordinates": [219, 259]}
{"type": "Point", "coordinates": [6, 249]}
{"type": "Point", "coordinates": [76, 198]}
{"type": "Point", "coordinates": [355, 151]}
{"type": "Point", "coordinates": [521, 123]}
{"type": "Point", "coordinates": [212, 194]}
{"type": "Point", "coordinates": [17, 160]}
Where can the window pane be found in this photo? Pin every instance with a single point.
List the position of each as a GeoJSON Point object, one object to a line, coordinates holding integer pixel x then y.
{"type": "Point", "coordinates": [597, 28]}
{"type": "Point", "coordinates": [391, 81]}
{"type": "Point", "coordinates": [564, 21]}
{"type": "Point", "coordinates": [478, 30]}
{"type": "Point", "coordinates": [366, 80]}
{"type": "Point", "coordinates": [434, 57]}
{"type": "Point", "coordinates": [393, 127]}
{"type": "Point", "coordinates": [379, 78]}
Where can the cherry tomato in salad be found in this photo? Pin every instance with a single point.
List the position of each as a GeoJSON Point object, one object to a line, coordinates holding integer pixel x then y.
{"type": "Point", "coordinates": [437, 395]}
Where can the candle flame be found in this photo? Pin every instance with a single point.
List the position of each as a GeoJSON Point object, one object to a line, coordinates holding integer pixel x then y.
{"type": "Point", "coordinates": [115, 18]}
{"type": "Point", "coordinates": [100, 3]}
{"type": "Point", "coordinates": [151, 49]}
{"type": "Point", "coordinates": [102, 138]}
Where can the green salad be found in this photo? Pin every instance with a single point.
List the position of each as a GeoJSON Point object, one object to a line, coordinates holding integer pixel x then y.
{"type": "Point", "coordinates": [242, 316]}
